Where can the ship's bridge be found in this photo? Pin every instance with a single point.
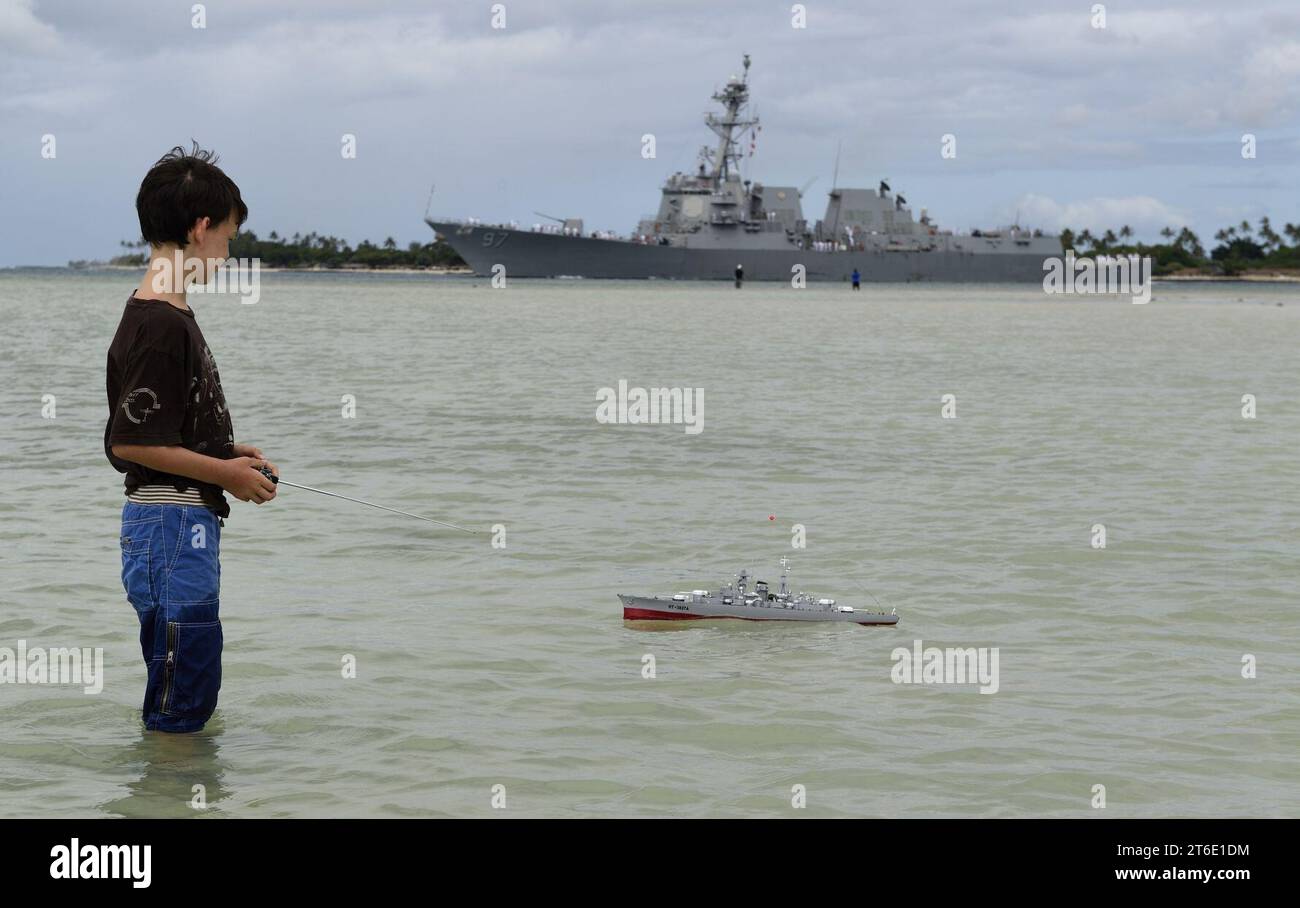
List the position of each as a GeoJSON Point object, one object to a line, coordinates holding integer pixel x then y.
{"type": "Point", "coordinates": [692, 202]}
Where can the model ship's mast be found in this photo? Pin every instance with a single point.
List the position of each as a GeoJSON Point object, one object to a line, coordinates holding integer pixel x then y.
{"type": "Point", "coordinates": [732, 98]}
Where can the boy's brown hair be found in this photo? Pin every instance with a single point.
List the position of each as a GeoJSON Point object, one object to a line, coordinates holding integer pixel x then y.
{"type": "Point", "coordinates": [181, 188]}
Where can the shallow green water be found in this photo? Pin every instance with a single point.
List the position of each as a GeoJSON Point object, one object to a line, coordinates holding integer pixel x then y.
{"type": "Point", "coordinates": [480, 667]}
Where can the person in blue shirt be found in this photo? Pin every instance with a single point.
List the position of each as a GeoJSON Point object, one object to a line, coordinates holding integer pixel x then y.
{"type": "Point", "coordinates": [857, 280]}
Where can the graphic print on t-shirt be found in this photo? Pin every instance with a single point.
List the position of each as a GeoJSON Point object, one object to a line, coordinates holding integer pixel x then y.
{"type": "Point", "coordinates": [137, 410]}
{"type": "Point", "coordinates": [209, 401]}
{"type": "Point", "coordinates": [164, 389]}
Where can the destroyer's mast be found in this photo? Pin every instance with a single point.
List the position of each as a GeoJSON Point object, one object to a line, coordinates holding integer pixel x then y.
{"type": "Point", "coordinates": [733, 98]}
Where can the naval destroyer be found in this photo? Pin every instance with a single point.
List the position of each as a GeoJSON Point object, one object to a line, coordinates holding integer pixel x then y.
{"type": "Point", "coordinates": [737, 600]}
{"type": "Point", "coordinates": [711, 222]}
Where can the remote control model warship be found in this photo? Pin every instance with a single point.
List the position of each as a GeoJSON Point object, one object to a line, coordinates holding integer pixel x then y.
{"type": "Point", "coordinates": [712, 223]}
{"type": "Point", "coordinates": [735, 600]}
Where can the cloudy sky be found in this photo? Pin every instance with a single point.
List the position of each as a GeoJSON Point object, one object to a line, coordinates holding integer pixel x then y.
{"type": "Point", "coordinates": [1138, 123]}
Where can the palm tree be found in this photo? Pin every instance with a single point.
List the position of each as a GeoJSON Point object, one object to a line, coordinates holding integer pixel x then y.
{"type": "Point", "coordinates": [1245, 228]}
{"type": "Point", "coordinates": [1268, 234]}
{"type": "Point", "coordinates": [1191, 242]}
{"type": "Point", "coordinates": [1126, 231]}
{"type": "Point", "coordinates": [1167, 233]}
{"type": "Point", "coordinates": [1086, 239]}
{"type": "Point", "coordinates": [1293, 233]}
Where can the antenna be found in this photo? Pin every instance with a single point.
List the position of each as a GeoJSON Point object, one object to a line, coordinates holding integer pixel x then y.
{"type": "Point", "coordinates": [429, 204]}
{"type": "Point", "coordinates": [835, 182]}
{"type": "Point", "coordinates": [733, 98]}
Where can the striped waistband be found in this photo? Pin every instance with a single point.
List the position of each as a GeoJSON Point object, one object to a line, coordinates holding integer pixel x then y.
{"type": "Point", "coordinates": [165, 494]}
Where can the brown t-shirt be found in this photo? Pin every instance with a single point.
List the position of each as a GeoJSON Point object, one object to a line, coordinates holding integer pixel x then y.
{"type": "Point", "coordinates": [163, 389]}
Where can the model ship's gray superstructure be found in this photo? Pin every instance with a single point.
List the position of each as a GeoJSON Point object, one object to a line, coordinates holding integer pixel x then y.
{"type": "Point", "coordinates": [711, 220]}
{"type": "Point", "coordinates": [737, 600]}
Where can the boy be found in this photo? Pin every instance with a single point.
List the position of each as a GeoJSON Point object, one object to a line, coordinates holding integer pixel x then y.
{"type": "Point", "coordinates": [169, 432]}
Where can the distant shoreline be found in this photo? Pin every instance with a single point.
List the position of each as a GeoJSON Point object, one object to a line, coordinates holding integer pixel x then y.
{"type": "Point", "coordinates": [1286, 276]}
{"type": "Point", "coordinates": [1272, 277]}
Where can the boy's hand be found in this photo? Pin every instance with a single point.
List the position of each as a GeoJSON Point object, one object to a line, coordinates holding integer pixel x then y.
{"type": "Point", "coordinates": [240, 477]}
{"type": "Point", "coordinates": [255, 452]}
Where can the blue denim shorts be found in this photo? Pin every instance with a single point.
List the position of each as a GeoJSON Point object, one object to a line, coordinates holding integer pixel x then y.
{"type": "Point", "coordinates": [171, 569]}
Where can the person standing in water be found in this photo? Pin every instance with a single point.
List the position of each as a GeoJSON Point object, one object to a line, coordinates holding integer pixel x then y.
{"type": "Point", "coordinates": [169, 431]}
{"type": "Point", "coordinates": [740, 275]}
{"type": "Point", "coordinates": [857, 280]}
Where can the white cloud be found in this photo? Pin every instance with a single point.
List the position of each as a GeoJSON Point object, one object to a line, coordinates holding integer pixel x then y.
{"type": "Point", "coordinates": [22, 33]}
{"type": "Point", "coordinates": [1270, 76]}
{"type": "Point", "coordinates": [1144, 214]}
